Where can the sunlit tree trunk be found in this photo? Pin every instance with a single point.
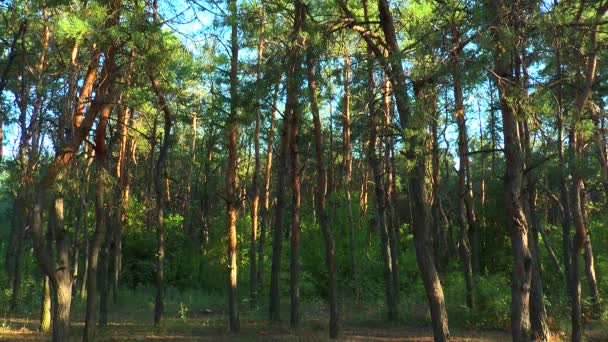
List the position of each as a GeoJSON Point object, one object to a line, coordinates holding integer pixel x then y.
{"type": "Point", "coordinates": [231, 196]}
{"type": "Point", "coordinates": [585, 78]}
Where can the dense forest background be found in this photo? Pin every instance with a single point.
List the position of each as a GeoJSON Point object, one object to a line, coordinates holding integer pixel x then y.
{"type": "Point", "coordinates": [209, 166]}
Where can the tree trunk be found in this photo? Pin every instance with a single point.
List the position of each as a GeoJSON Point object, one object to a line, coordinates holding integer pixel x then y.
{"type": "Point", "coordinates": [17, 272]}
{"type": "Point", "coordinates": [579, 240]}
{"type": "Point", "coordinates": [294, 60]}
{"type": "Point", "coordinates": [45, 305]}
{"type": "Point", "coordinates": [466, 210]}
{"type": "Point", "coordinates": [564, 193]}
{"type": "Point", "coordinates": [516, 219]}
{"type": "Point", "coordinates": [585, 78]}
{"type": "Point", "coordinates": [590, 263]}
{"type": "Point", "coordinates": [374, 165]}
{"type": "Point", "coordinates": [59, 271]}
{"type": "Point", "coordinates": [538, 312]}
{"type": "Point", "coordinates": [321, 202]}
{"type": "Point", "coordinates": [231, 196]}
{"type": "Point", "coordinates": [439, 224]}
{"type": "Point", "coordinates": [105, 111]}
{"type": "Point", "coordinates": [61, 313]}
{"type": "Point", "coordinates": [266, 194]}
{"type": "Point", "coordinates": [388, 190]}
{"type": "Point", "coordinates": [62, 280]}
{"type": "Point", "coordinates": [421, 223]}
{"type": "Point", "coordinates": [205, 203]}
{"type": "Point", "coordinates": [161, 200]}
{"type": "Point", "coordinates": [347, 167]}
{"type": "Point", "coordinates": [255, 202]}
{"type": "Point", "coordinates": [94, 249]}
{"type": "Point", "coordinates": [104, 280]}
{"type": "Point", "coordinates": [277, 246]}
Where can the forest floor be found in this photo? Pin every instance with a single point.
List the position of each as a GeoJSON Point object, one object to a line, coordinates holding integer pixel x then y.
{"type": "Point", "coordinates": [133, 322]}
{"type": "Point", "coordinates": [212, 327]}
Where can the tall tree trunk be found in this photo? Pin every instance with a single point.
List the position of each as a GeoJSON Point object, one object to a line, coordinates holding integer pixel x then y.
{"type": "Point", "coordinates": [538, 312]}
{"type": "Point", "coordinates": [321, 202]}
{"type": "Point", "coordinates": [502, 17]}
{"type": "Point", "coordinates": [106, 94]}
{"type": "Point", "coordinates": [374, 165]}
{"type": "Point", "coordinates": [585, 78]}
{"type": "Point", "coordinates": [388, 189]}
{"type": "Point", "coordinates": [231, 196]}
{"type": "Point", "coordinates": [95, 245]}
{"type": "Point", "coordinates": [266, 194]}
{"type": "Point", "coordinates": [28, 153]}
{"type": "Point", "coordinates": [348, 167]}
{"type": "Point", "coordinates": [564, 193]}
{"type": "Point", "coordinates": [85, 234]}
{"type": "Point", "coordinates": [294, 61]}
{"type": "Point", "coordinates": [416, 182]}
{"type": "Point", "coordinates": [59, 270]}
{"type": "Point", "coordinates": [159, 177]}
{"type": "Point", "coordinates": [104, 256]}
{"type": "Point", "coordinates": [590, 263]}
{"type": "Point", "coordinates": [277, 246]}
{"type": "Point", "coordinates": [255, 202]}
{"type": "Point", "coordinates": [439, 224]}
{"type": "Point", "coordinates": [466, 211]}
{"type": "Point", "coordinates": [579, 238]}
{"type": "Point", "coordinates": [45, 301]}
{"type": "Point", "coordinates": [205, 203]}
{"type": "Point", "coordinates": [61, 280]}
{"type": "Point", "coordinates": [122, 188]}
{"type": "Point", "coordinates": [61, 313]}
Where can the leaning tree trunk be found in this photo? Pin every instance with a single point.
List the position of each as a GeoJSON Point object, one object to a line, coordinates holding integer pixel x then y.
{"type": "Point", "coordinates": [416, 183]}
{"type": "Point", "coordinates": [59, 270]}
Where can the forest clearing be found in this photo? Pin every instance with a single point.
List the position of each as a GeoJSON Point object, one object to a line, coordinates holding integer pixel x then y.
{"type": "Point", "coordinates": [270, 170]}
